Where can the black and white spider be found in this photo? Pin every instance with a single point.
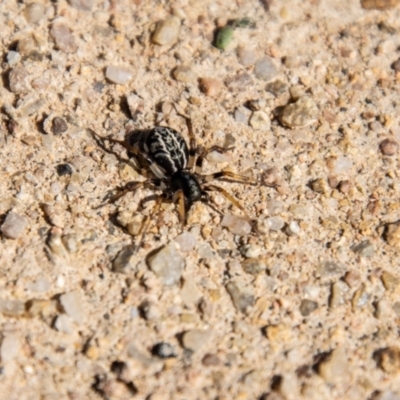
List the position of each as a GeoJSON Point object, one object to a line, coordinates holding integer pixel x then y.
{"type": "Point", "coordinates": [176, 168]}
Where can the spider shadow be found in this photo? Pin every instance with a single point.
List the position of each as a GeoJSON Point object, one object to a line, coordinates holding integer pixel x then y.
{"type": "Point", "coordinates": [131, 138]}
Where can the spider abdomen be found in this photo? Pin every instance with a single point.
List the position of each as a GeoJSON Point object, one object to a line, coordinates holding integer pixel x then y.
{"type": "Point", "coordinates": [166, 148]}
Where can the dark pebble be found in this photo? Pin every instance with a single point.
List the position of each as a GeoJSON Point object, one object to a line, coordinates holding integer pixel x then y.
{"type": "Point", "coordinates": [64, 169]}
{"type": "Point", "coordinates": [307, 307]}
{"type": "Point", "coordinates": [163, 350]}
{"type": "Point", "coordinates": [396, 65]}
{"type": "Point", "coordinates": [59, 126]}
{"type": "Point", "coordinates": [210, 360]}
{"type": "Point", "coordinates": [118, 367]}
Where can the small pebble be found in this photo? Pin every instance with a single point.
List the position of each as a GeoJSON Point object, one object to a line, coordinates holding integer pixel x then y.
{"type": "Point", "coordinates": [126, 260]}
{"type": "Point", "coordinates": [167, 264]}
{"type": "Point", "coordinates": [27, 46]}
{"type": "Point", "coordinates": [307, 307]}
{"type": "Point", "coordinates": [390, 281]}
{"type": "Point", "coordinates": [63, 323]}
{"type": "Point", "coordinates": [167, 31]}
{"type": "Point", "coordinates": [223, 37]}
{"type": "Point", "coordinates": [260, 120]}
{"type": "Point", "coordinates": [344, 186]}
{"type": "Point", "coordinates": [339, 165]}
{"type": "Point", "coordinates": [364, 249]}
{"type": "Point", "coordinates": [361, 297]}
{"type": "Point", "coordinates": [254, 266]}
{"type": "Point", "coordinates": [338, 292]}
{"type": "Point", "coordinates": [293, 229]}
{"type": "Point", "coordinates": [276, 88]}
{"type": "Point", "coordinates": [211, 87]}
{"type": "Point", "coordinates": [13, 58]}
{"type": "Point", "coordinates": [187, 241]}
{"type": "Point", "coordinates": [195, 339]}
{"type": "Point", "coordinates": [10, 347]}
{"type": "Point", "coordinates": [251, 251]}
{"type": "Point", "coordinates": [73, 306]}
{"type": "Point", "coordinates": [241, 116]}
{"type": "Point", "coordinates": [388, 359]}
{"type": "Point", "coordinates": [12, 308]}
{"type": "Point", "coordinates": [34, 12]}
{"type": "Point", "coordinates": [149, 310]}
{"type": "Point", "coordinates": [392, 234]}
{"type": "Point", "coordinates": [352, 278]}
{"type": "Point", "coordinates": [257, 104]}
{"type": "Point", "coordinates": [83, 5]}
{"type": "Point", "coordinates": [389, 147]}
{"type": "Point", "coordinates": [334, 369]}
{"type": "Point", "coordinates": [378, 4]}
{"type": "Point", "coordinates": [40, 285]}
{"type": "Point", "coordinates": [320, 186]}
{"type": "Point", "coordinates": [58, 125]}
{"type": "Point", "coordinates": [275, 223]}
{"type": "Point", "coordinates": [210, 360]}
{"type": "Point", "coordinates": [300, 114]}
{"type": "Point", "coordinates": [14, 225]}
{"type": "Point", "coordinates": [396, 65]}
{"type": "Point", "coordinates": [163, 350]}
{"type": "Point", "coordinates": [63, 38]}
{"type": "Point", "coordinates": [239, 82]}
{"type": "Point", "coordinates": [119, 74]}
{"type": "Point", "coordinates": [265, 69]}
{"type": "Point", "coordinates": [236, 225]}
{"type": "Point", "coordinates": [189, 292]}
{"type": "Point", "coordinates": [184, 74]}
{"type": "Point", "coordinates": [241, 295]}
{"type": "Point", "coordinates": [246, 56]}
{"type": "Point", "coordinates": [64, 169]}
{"type": "Point", "coordinates": [18, 79]}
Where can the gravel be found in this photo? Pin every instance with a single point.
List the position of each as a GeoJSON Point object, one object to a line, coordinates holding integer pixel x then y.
{"type": "Point", "coordinates": [249, 313]}
{"type": "Point", "coordinates": [167, 264]}
{"type": "Point", "coordinates": [119, 74]}
{"type": "Point", "coordinates": [14, 225]}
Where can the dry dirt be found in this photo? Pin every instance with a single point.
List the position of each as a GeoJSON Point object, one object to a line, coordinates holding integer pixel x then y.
{"type": "Point", "coordinates": [307, 308]}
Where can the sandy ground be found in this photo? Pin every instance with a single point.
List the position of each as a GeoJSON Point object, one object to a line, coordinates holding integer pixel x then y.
{"type": "Point", "coordinates": [307, 308]}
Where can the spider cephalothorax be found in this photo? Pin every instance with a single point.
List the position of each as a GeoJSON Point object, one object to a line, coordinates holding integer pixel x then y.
{"type": "Point", "coordinates": [176, 169]}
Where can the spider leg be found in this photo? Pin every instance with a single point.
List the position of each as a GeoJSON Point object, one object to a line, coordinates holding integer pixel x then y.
{"type": "Point", "coordinates": [179, 199]}
{"type": "Point", "coordinates": [147, 220]}
{"type": "Point", "coordinates": [229, 197]}
{"type": "Point", "coordinates": [192, 139]}
{"type": "Point", "coordinates": [228, 176]}
{"type": "Point", "coordinates": [205, 152]}
{"type": "Point", "coordinates": [130, 187]}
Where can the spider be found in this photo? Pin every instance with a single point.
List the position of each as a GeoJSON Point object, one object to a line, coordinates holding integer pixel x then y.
{"type": "Point", "coordinates": [177, 170]}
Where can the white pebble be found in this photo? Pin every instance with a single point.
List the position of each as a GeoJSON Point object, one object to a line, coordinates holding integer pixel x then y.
{"type": "Point", "coordinates": [63, 324]}
{"type": "Point", "coordinates": [187, 241]}
{"type": "Point", "coordinates": [195, 339]}
{"type": "Point", "coordinates": [275, 223]}
{"type": "Point", "coordinates": [260, 120]}
{"type": "Point", "coordinates": [73, 306]}
{"type": "Point", "coordinates": [40, 285]}
{"type": "Point", "coordinates": [14, 225]}
{"type": "Point", "coordinates": [293, 229]}
{"type": "Point", "coordinates": [13, 57]}
{"type": "Point", "coordinates": [340, 165]}
{"type": "Point", "coordinates": [236, 225]}
{"type": "Point", "coordinates": [10, 347]}
{"type": "Point", "coordinates": [118, 74]}
{"type": "Point", "coordinates": [251, 251]}
{"type": "Point", "coordinates": [167, 264]}
{"type": "Point", "coordinates": [167, 31]}
{"type": "Point", "coordinates": [63, 38]}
